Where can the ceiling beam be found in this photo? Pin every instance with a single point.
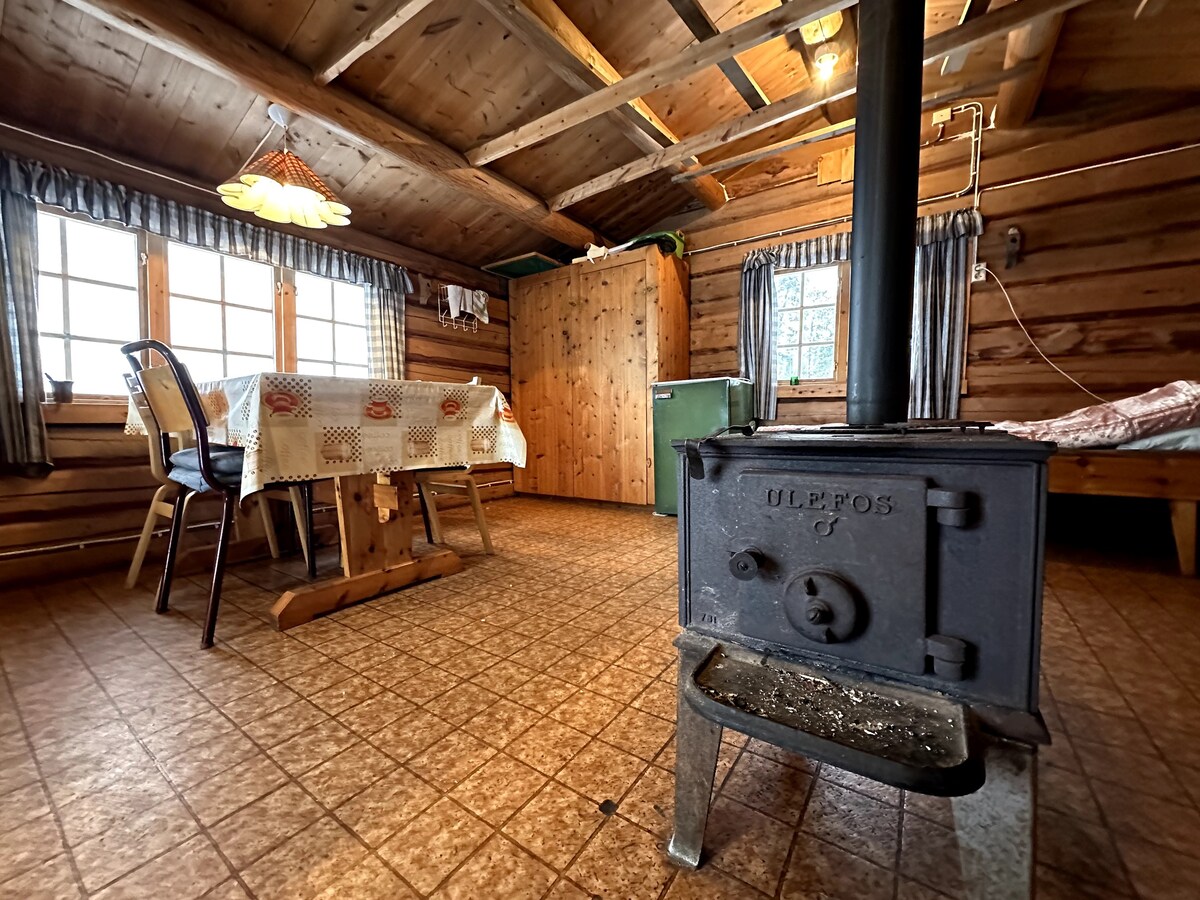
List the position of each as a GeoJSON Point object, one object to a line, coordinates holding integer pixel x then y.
{"type": "Point", "coordinates": [547, 31]}
{"type": "Point", "coordinates": [1149, 8]}
{"type": "Point", "coordinates": [373, 30]}
{"type": "Point", "coordinates": [699, 56]}
{"type": "Point", "coordinates": [948, 94]}
{"type": "Point", "coordinates": [700, 24]}
{"type": "Point", "coordinates": [972, 9]}
{"type": "Point", "coordinates": [1034, 43]}
{"type": "Point", "coordinates": [986, 27]}
{"type": "Point", "coordinates": [200, 38]}
{"type": "Point", "coordinates": [150, 178]}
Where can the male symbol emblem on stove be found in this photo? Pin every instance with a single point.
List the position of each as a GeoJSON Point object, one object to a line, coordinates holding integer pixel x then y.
{"type": "Point", "coordinates": [822, 607]}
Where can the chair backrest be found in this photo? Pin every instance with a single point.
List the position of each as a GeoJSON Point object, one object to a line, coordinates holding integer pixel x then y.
{"type": "Point", "coordinates": [160, 442]}
{"type": "Point", "coordinates": [168, 394]}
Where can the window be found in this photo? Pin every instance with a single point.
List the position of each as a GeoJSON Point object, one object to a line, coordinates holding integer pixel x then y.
{"type": "Point", "coordinates": [221, 312]}
{"type": "Point", "coordinates": [88, 302]}
{"type": "Point", "coordinates": [809, 328]}
{"type": "Point", "coordinates": [331, 327]}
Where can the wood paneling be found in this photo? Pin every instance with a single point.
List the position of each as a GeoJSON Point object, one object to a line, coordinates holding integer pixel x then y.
{"type": "Point", "coordinates": [1106, 283]}
{"type": "Point", "coordinates": [588, 341]}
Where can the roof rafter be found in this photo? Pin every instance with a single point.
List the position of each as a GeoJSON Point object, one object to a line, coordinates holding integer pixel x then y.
{"type": "Point", "coordinates": [389, 18]}
{"type": "Point", "coordinates": [986, 27]}
{"type": "Point", "coordinates": [547, 30]}
{"type": "Point", "coordinates": [699, 56]}
{"type": "Point", "coordinates": [200, 38]}
{"type": "Point", "coordinates": [1034, 43]}
{"type": "Point", "coordinates": [700, 24]}
{"type": "Point", "coordinates": [972, 9]}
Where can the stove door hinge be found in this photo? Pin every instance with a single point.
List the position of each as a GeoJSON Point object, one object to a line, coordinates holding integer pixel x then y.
{"type": "Point", "coordinates": [949, 656]}
{"type": "Point", "coordinates": [953, 507]}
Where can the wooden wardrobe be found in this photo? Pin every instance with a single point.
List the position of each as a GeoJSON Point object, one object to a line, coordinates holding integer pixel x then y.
{"type": "Point", "coordinates": [588, 341]}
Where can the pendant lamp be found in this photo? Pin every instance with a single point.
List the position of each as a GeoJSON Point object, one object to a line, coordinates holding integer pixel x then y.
{"type": "Point", "coordinates": [279, 187]}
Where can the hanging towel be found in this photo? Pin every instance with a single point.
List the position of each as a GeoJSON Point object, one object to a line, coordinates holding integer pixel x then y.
{"type": "Point", "coordinates": [479, 305]}
{"type": "Point", "coordinates": [456, 300]}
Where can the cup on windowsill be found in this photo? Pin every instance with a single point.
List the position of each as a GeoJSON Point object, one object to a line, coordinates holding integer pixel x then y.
{"type": "Point", "coordinates": [60, 391]}
{"type": "Point", "coordinates": [795, 379]}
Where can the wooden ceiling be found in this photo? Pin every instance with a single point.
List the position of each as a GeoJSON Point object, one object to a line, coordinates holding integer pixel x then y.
{"type": "Point", "coordinates": [456, 73]}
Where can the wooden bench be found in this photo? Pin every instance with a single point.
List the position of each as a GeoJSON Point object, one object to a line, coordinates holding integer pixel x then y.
{"type": "Point", "coordinates": [1168, 475]}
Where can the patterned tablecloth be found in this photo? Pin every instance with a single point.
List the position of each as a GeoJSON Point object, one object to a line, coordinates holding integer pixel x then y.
{"type": "Point", "coordinates": [304, 427]}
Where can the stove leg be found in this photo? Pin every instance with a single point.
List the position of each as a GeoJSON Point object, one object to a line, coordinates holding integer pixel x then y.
{"type": "Point", "coordinates": [995, 826]}
{"type": "Point", "coordinates": [697, 742]}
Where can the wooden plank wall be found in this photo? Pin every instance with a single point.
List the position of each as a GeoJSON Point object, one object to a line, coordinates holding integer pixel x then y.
{"type": "Point", "coordinates": [102, 485]}
{"type": "Point", "coordinates": [1107, 283]}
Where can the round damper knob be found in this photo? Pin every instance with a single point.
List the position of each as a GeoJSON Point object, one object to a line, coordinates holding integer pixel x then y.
{"type": "Point", "coordinates": [744, 564]}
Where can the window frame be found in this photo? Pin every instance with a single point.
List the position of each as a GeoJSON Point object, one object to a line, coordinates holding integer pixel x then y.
{"type": "Point", "coordinates": [154, 310]}
{"type": "Point", "coordinates": [832, 387]}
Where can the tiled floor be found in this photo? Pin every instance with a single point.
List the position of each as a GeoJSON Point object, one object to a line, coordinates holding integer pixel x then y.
{"type": "Point", "coordinates": [457, 740]}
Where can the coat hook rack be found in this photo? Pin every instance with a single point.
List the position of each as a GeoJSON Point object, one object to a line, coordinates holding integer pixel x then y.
{"type": "Point", "coordinates": [465, 320]}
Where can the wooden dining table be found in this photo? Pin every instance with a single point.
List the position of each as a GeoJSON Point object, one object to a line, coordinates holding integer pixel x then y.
{"type": "Point", "coordinates": [369, 436]}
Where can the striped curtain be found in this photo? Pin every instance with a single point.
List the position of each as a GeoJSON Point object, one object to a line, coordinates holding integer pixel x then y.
{"type": "Point", "coordinates": [385, 331]}
{"type": "Point", "coordinates": [941, 282]}
{"type": "Point", "coordinates": [756, 324]}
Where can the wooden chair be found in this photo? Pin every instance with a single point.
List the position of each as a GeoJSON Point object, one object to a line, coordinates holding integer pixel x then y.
{"type": "Point", "coordinates": [167, 395]}
{"type": "Point", "coordinates": [451, 482]}
{"type": "Point", "coordinates": [163, 506]}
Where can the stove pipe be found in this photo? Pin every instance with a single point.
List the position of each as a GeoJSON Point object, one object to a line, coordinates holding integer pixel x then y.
{"type": "Point", "coordinates": [886, 169]}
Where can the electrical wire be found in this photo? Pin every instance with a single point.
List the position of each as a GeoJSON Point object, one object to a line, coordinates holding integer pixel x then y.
{"type": "Point", "coordinates": [1034, 343]}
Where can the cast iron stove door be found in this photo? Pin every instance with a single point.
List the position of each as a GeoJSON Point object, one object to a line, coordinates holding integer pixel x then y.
{"type": "Point", "coordinates": [823, 562]}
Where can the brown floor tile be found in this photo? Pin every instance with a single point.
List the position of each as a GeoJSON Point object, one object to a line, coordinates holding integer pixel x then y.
{"type": "Point", "coordinates": [306, 864]}
{"type": "Point", "coordinates": [28, 846]}
{"type": "Point", "coordinates": [430, 847]}
{"type": "Point", "coordinates": [132, 842]}
{"type": "Point", "coordinates": [367, 880]}
{"type": "Point", "coordinates": [543, 693]}
{"type": "Point", "coordinates": [747, 844]}
{"type": "Point", "coordinates": [22, 805]}
{"type": "Point", "coordinates": [853, 822]}
{"type": "Point", "coordinates": [188, 871]}
{"type": "Point", "coordinates": [345, 694]}
{"type": "Point", "coordinates": [502, 723]}
{"type": "Point", "coordinates": [548, 745]}
{"type": "Point", "coordinates": [451, 760]}
{"type": "Point", "coordinates": [622, 862]}
{"type": "Point", "coordinates": [622, 685]}
{"type": "Point", "coordinates": [201, 763]}
{"type": "Point", "coordinates": [818, 869]}
{"type": "Point", "coordinates": [1157, 872]}
{"type": "Point", "coordinates": [587, 712]}
{"type": "Point", "coordinates": [650, 803]}
{"type": "Point", "coordinates": [372, 716]}
{"type": "Point", "coordinates": [130, 794]}
{"type": "Point", "coordinates": [1134, 814]}
{"type": "Point", "coordinates": [768, 786]}
{"type": "Point", "coordinates": [388, 805]}
{"type": "Point", "coordinates": [602, 772]}
{"type": "Point", "coordinates": [498, 789]}
{"type": "Point", "coordinates": [338, 779]}
{"type": "Point", "coordinates": [51, 880]}
{"type": "Point", "coordinates": [498, 869]}
{"type": "Point", "coordinates": [554, 825]}
{"type": "Point", "coordinates": [312, 747]}
{"type": "Point", "coordinates": [929, 855]}
{"type": "Point", "coordinates": [229, 791]}
{"type": "Point", "coordinates": [265, 824]}
{"type": "Point", "coordinates": [638, 733]}
{"type": "Point", "coordinates": [710, 884]}
{"type": "Point", "coordinates": [462, 702]}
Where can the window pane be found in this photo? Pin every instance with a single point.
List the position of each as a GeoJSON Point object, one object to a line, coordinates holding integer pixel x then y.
{"type": "Point", "coordinates": [103, 312]}
{"type": "Point", "coordinates": [98, 368]}
{"type": "Point", "coordinates": [194, 272]}
{"type": "Point", "coordinates": [249, 331]}
{"type": "Point", "coordinates": [350, 344]}
{"type": "Point", "coordinates": [314, 340]}
{"type": "Point", "coordinates": [195, 323]}
{"type": "Point", "coordinates": [349, 303]}
{"type": "Point", "coordinates": [818, 324]}
{"type": "Point", "coordinates": [816, 361]}
{"type": "Point", "coordinates": [820, 285]}
{"type": "Point", "coordinates": [788, 289]}
{"type": "Point", "coordinates": [202, 365]}
{"type": "Point", "coordinates": [50, 304]}
{"type": "Point", "coordinates": [249, 283]}
{"type": "Point", "coordinates": [54, 359]}
{"type": "Point", "coordinates": [101, 254]}
{"type": "Point", "coordinates": [314, 368]}
{"type": "Point", "coordinates": [313, 296]}
{"type": "Point", "coordinates": [249, 365]}
{"type": "Point", "coordinates": [785, 363]}
{"type": "Point", "coordinates": [49, 243]}
{"type": "Point", "coordinates": [788, 327]}
{"type": "Point", "coordinates": [352, 371]}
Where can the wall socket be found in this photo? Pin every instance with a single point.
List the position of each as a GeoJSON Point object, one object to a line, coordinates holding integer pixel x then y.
{"type": "Point", "coordinates": [979, 272]}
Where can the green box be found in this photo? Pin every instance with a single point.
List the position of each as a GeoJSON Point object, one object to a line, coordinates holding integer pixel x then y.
{"type": "Point", "coordinates": [691, 409]}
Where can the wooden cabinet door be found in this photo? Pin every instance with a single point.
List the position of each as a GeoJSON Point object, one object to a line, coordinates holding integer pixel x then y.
{"type": "Point", "coordinates": [542, 326]}
{"type": "Point", "coordinates": [608, 365]}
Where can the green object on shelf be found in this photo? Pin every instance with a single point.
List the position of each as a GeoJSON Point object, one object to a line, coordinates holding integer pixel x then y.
{"type": "Point", "coordinates": [691, 409]}
{"type": "Point", "coordinates": [519, 266]}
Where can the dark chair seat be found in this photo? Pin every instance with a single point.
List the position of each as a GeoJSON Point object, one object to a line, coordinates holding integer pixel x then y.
{"type": "Point", "coordinates": [226, 465]}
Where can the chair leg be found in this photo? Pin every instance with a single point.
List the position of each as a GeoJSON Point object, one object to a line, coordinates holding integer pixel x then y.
{"type": "Point", "coordinates": [477, 506]}
{"type": "Point", "coordinates": [431, 514]}
{"type": "Point", "coordinates": [164, 583]}
{"type": "Point", "coordinates": [302, 503]}
{"type": "Point", "coordinates": [264, 508]}
{"type": "Point", "coordinates": [214, 595]}
{"type": "Point", "coordinates": [424, 512]}
{"type": "Point", "coordinates": [143, 544]}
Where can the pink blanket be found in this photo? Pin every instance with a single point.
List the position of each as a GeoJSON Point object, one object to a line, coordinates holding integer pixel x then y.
{"type": "Point", "coordinates": [1168, 408]}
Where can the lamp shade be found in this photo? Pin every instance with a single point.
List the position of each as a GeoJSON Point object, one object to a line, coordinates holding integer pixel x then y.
{"type": "Point", "coordinates": [279, 187]}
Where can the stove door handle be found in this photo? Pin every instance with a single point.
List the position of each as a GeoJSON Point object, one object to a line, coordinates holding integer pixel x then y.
{"type": "Point", "coordinates": [953, 507]}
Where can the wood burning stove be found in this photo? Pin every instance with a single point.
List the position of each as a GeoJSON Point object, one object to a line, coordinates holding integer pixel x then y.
{"type": "Point", "coordinates": [870, 595]}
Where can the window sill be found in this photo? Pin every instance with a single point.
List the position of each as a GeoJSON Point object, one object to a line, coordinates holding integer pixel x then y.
{"type": "Point", "coordinates": [813, 390]}
{"type": "Point", "coordinates": [86, 412]}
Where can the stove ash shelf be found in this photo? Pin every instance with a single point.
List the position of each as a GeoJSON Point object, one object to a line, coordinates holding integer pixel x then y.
{"type": "Point", "coordinates": [912, 740]}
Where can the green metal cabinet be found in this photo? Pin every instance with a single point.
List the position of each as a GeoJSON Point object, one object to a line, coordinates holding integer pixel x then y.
{"type": "Point", "coordinates": [691, 409]}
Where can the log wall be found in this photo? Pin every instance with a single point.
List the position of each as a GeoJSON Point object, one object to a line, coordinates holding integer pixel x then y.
{"type": "Point", "coordinates": [1108, 282]}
